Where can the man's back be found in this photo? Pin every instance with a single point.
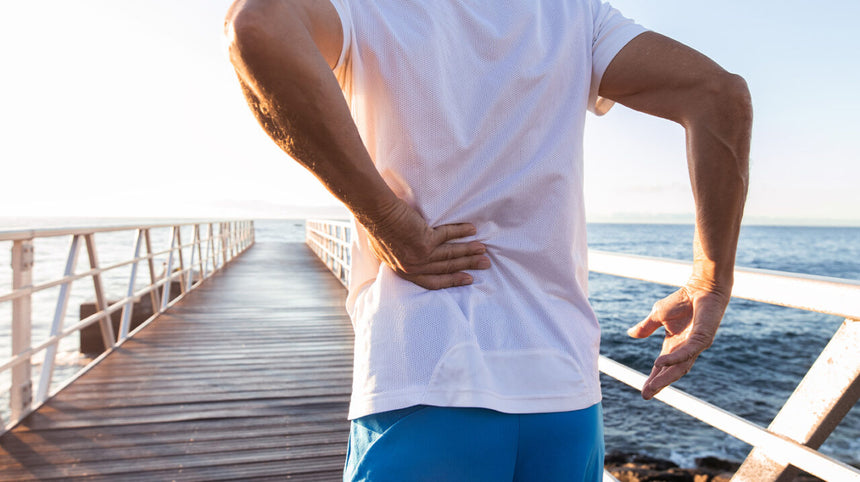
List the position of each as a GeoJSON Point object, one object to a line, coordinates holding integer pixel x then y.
{"type": "Point", "coordinates": [523, 326]}
{"type": "Point", "coordinates": [472, 112]}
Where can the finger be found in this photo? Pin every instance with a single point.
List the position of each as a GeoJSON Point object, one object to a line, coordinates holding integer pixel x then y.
{"type": "Point", "coordinates": [688, 352]}
{"type": "Point", "coordinates": [457, 250]}
{"type": "Point", "coordinates": [644, 328]}
{"type": "Point", "coordinates": [451, 265]}
{"type": "Point", "coordinates": [654, 372]}
{"type": "Point", "coordinates": [447, 232]}
{"type": "Point", "coordinates": [661, 378]}
{"type": "Point", "coordinates": [441, 281]}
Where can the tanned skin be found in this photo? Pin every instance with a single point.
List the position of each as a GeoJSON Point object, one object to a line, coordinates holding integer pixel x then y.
{"type": "Point", "coordinates": [659, 76]}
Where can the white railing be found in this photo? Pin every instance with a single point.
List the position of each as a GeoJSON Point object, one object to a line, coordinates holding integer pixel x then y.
{"type": "Point", "coordinates": [330, 240]}
{"type": "Point", "coordinates": [213, 245]}
{"type": "Point", "coordinates": [827, 392]}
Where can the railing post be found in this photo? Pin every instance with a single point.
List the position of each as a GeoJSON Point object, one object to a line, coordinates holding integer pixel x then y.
{"type": "Point", "coordinates": [205, 257]}
{"type": "Point", "coordinates": [341, 252]}
{"type": "Point", "coordinates": [224, 244]}
{"type": "Point", "coordinates": [153, 293]}
{"type": "Point", "coordinates": [827, 392]}
{"type": "Point", "coordinates": [168, 272]}
{"type": "Point", "coordinates": [128, 308]}
{"type": "Point", "coordinates": [108, 337]}
{"type": "Point", "coordinates": [213, 243]}
{"type": "Point", "coordinates": [57, 324]}
{"type": "Point", "coordinates": [228, 243]}
{"type": "Point", "coordinates": [230, 230]}
{"type": "Point", "coordinates": [21, 394]}
{"type": "Point", "coordinates": [195, 244]}
{"type": "Point", "coordinates": [178, 230]}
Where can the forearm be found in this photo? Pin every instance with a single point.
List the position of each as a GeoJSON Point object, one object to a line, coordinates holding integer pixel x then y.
{"type": "Point", "coordinates": [659, 76]}
{"type": "Point", "coordinates": [718, 142]}
{"type": "Point", "coordinates": [294, 95]}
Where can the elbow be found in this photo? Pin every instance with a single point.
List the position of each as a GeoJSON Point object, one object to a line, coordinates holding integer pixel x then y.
{"type": "Point", "coordinates": [737, 102]}
{"type": "Point", "coordinates": [720, 100]}
{"type": "Point", "coordinates": [244, 28]}
{"type": "Point", "coordinates": [723, 112]}
{"type": "Point", "coordinates": [737, 115]}
{"type": "Point", "coordinates": [252, 26]}
{"type": "Point", "coordinates": [265, 36]}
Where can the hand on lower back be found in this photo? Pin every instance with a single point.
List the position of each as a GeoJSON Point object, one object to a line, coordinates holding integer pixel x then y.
{"type": "Point", "coordinates": [690, 317]}
{"type": "Point", "coordinates": [424, 255]}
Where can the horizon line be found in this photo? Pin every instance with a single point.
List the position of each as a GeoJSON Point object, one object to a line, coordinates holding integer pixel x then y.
{"type": "Point", "coordinates": [23, 222]}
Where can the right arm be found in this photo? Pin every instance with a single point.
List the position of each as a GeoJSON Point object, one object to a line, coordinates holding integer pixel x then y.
{"type": "Point", "coordinates": [283, 52]}
{"type": "Point", "coordinates": [659, 76]}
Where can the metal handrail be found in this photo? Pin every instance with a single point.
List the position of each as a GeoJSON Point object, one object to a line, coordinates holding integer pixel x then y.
{"type": "Point", "coordinates": [832, 296]}
{"type": "Point", "coordinates": [114, 307]}
{"type": "Point", "coordinates": [29, 290]}
{"type": "Point", "coordinates": [25, 234]}
{"type": "Point", "coordinates": [789, 450]}
{"type": "Point", "coordinates": [209, 253]}
{"type": "Point", "coordinates": [813, 410]}
{"type": "Point", "coordinates": [330, 241]}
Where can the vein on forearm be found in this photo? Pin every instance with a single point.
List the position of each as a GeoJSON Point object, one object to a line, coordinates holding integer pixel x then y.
{"type": "Point", "coordinates": [718, 156]}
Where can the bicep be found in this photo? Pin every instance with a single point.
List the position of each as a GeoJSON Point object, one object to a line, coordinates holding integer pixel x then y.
{"type": "Point", "coordinates": [659, 76]}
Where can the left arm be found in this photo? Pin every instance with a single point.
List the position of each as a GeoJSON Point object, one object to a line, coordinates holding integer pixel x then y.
{"type": "Point", "coordinates": [659, 76]}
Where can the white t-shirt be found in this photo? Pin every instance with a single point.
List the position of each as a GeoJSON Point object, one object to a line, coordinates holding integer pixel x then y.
{"type": "Point", "coordinates": [473, 111]}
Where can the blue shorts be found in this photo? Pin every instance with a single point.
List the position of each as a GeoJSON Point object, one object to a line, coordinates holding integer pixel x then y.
{"type": "Point", "coordinates": [425, 443]}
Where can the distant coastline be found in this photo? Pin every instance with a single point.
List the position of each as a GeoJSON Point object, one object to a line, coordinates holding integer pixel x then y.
{"type": "Point", "coordinates": [11, 223]}
{"type": "Point", "coordinates": [749, 220]}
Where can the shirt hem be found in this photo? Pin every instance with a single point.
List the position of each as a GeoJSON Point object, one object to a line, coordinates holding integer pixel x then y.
{"type": "Point", "coordinates": [472, 398]}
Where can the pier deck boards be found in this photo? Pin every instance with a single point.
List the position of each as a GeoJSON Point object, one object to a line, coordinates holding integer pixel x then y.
{"type": "Point", "coordinates": [247, 377]}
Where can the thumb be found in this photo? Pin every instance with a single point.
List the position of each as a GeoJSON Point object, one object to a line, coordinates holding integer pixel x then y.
{"type": "Point", "coordinates": [644, 328]}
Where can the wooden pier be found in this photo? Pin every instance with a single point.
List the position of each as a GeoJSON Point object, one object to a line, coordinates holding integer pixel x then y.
{"type": "Point", "coordinates": [246, 378]}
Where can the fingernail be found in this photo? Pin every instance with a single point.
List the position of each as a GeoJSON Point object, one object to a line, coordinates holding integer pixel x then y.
{"type": "Point", "coordinates": [466, 280]}
{"type": "Point", "coordinates": [483, 263]}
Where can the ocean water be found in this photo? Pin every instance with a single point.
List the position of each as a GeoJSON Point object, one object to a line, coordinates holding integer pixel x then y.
{"type": "Point", "coordinates": [760, 354]}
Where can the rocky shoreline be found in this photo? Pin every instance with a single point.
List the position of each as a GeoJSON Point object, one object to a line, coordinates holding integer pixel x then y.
{"type": "Point", "coordinates": [633, 467]}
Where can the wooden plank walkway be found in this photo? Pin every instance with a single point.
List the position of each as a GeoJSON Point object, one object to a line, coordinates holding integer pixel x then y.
{"type": "Point", "coordinates": [246, 378]}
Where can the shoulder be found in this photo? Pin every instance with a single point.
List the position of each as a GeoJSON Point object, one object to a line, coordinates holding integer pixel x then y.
{"type": "Point", "coordinates": [262, 21]}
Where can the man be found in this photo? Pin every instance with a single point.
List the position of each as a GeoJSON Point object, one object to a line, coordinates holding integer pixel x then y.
{"type": "Point", "coordinates": [452, 130]}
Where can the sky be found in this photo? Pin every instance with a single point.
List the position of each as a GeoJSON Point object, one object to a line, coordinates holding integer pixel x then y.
{"type": "Point", "coordinates": [130, 108]}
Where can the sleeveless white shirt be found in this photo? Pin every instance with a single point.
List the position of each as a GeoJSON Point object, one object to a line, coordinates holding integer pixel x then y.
{"type": "Point", "coordinates": [473, 111]}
